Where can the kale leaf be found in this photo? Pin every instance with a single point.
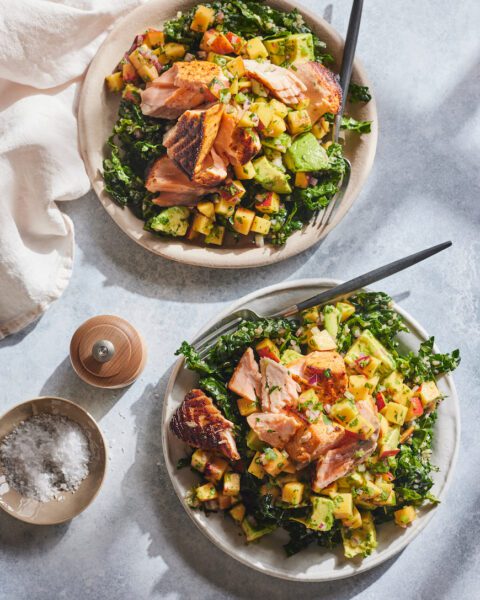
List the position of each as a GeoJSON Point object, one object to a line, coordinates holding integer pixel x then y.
{"type": "Point", "coordinates": [350, 124]}
{"type": "Point", "coordinates": [427, 364]}
{"type": "Point", "coordinates": [358, 93]}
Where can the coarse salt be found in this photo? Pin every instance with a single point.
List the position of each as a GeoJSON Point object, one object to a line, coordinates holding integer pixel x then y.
{"type": "Point", "coordinates": [45, 456]}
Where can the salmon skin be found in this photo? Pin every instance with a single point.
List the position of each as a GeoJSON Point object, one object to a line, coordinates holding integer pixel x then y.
{"type": "Point", "coordinates": [199, 423]}
{"type": "Point", "coordinates": [189, 143]}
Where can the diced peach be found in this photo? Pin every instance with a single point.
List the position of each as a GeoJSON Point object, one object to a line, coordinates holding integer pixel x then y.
{"type": "Point", "coordinates": [236, 41]}
{"type": "Point", "coordinates": [154, 38]}
{"type": "Point", "coordinates": [215, 41]}
{"type": "Point", "coordinates": [129, 73]}
{"type": "Point", "coordinates": [202, 19]}
{"type": "Point", "coordinates": [114, 81]}
{"type": "Point", "coordinates": [415, 409]}
{"type": "Point", "coordinates": [268, 203]}
{"type": "Point", "coordinates": [267, 349]}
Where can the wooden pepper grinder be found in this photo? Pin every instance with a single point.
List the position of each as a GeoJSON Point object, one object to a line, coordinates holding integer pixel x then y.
{"type": "Point", "coordinates": [108, 352]}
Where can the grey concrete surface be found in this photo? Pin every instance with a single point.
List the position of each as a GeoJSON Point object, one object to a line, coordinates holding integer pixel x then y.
{"type": "Point", "coordinates": [135, 541]}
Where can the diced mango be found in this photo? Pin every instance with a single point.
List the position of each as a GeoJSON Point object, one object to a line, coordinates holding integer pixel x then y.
{"type": "Point", "coordinates": [253, 441]}
{"type": "Point", "coordinates": [237, 512]}
{"type": "Point", "coordinates": [361, 427]}
{"type": "Point", "coordinates": [154, 38]}
{"type": "Point", "coordinates": [207, 209]}
{"type": "Point", "coordinates": [237, 67]}
{"type": "Point", "coordinates": [256, 468]}
{"type": "Point", "coordinates": [246, 171]}
{"type": "Point", "coordinates": [276, 126]}
{"type": "Point", "coordinates": [260, 225]}
{"type": "Point", "coordinates": [357, 386]}
{"type": "Point", "coordinates": [329, 490]}
{"type": "Point", "coordinates": [202, 19]}
{"type": "Point", "coordinates": [202, 224]}
{"type": "Point", "coordinates": [215, 469]}
{"type": "Point", "coordinates": [355, 521]}
{"type": "Point", "coordinates": [216, 235]}
{"type": "Point", "coordinates": [344, 411]}
{"type": "Point", "coordinates": [405, 516]}
{"type": "Point", "coordinates": [345, 309]}
{"type": "Point", "coordinates": [199, 460]}
{"type": "Point", "coordinates": [246, 407]}
{"type": "Point", "coordinates": [273, 461]}
{"type": "Point", "coordinates": [268, 349]}
{"type": "Point", "coordinates": [343, 506]}
{"type": "Point", "coordinates": [114, 82]}
{"type": "Point", "coordinates": [256, 49]}
{"type": "Point", "coordinates": [320, 340]}
{"type": "Point", "coordinates": [148, 72]}
{"type": "Point", "coordinates": [224, 207]}
{"type": "Point", "coordinates": [429, 392]}
{"type": "Point", "coordinates": [301, 179]}
{"type": "Point", "coordinates": [248, 119]}
{"type": "Point", "coordinates": [174, 51]}
{"type": "Point", "coordinates": [292, 493]}
{"type": "Point", "coordinates": [298, 121]}
{"type": "Point", "coordinates": [231, 483]}
{"type": "Point", "coordinates": [243, 220]}
{"type": "Point", "coordinates": [206, 492]}
{"type": "Point", "coordinates": [402, 395]}
{"type": "Point", "coordinates": [395, 413]}
{"type": "Point", "coordinates": [129, 74]}
{"type": "Point", "coordinates": [279, 108]}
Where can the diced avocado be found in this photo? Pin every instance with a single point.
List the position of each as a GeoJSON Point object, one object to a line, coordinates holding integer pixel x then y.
{"type": "Point", "coordinates": [345, 309]}
{"type": "Point", "coordinates": [281, 143]}
{"type": "Point", "coordinates": [171, 221]}
{"type": "Point", "coordinates": [254, 442]}
{"type": "Point", "coordinates": [306, 154]}
{"type": "Point", "coordinates": [290, 356]}
{"type": "Point", "coordinates": [331, 317]}
{"type": "Point", "coordinates": [321, 518]}
{"type": "Point", "coordinates": [297, 47]}
{"type": "Point", "coordinates": [271, 177]}
{"type": "Point", "coordinates": [361, 541]}
{"type": "Point", "coordinates": [368, 345]}
{"type": "Point", "coordinates": [253, 532]}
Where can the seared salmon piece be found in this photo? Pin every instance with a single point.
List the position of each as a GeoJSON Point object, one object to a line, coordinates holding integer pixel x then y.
{"type": "Point", "coordinates": [282, 83]}
{"type": "Point", "coordinates": [246, 379]}
{"type": "Point", "coordinates": [312, 440]}
{"type": "Point", "coordinates": [189, 143]}
{"type": "Point", "coordinates": [275, 429]}
{"type": "Point", "coordinates": [184, 86]}
{"type": "Point", "coordinates": [165, 176]}
{"type": "Point", "coordinates": [234, 144]}
{"type": "Point", "coordinates": [324, 371]}
{"type": "Point", "coordinates": [199, 423]}
{"type": "Point", "coordinates": [322, 88]}
{"type": "Point", "coordinates": [279, 390]}
{"type": "Point", "coordinates": [341, 460]}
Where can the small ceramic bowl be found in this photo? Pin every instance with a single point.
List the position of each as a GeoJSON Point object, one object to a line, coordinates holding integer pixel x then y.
{"type": "Point", "coordinates": [72, 503]}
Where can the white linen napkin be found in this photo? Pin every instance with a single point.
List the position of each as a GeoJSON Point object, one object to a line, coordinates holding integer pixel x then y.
{"type": "Point", "coordinates": [45, 48]}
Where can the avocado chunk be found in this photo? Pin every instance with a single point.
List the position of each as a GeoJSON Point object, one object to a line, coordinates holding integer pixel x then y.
{"type": "Point", "coordinates": [297, 47]}
{"type": "Point", "coordinates": [253, 532]}
{"type": "Point", "coordinates": [289, 356]}
{"type": "Point", "coordinates": [171, 221]}
{"type": "Point", "coordinates": [321, 518]}
{"type": "Point", "coordinates": [368, 345]}
{"type": "Point", "coordinates": [271, 177]}
{"type": "Point", "coordinates": [306, 154]}
{"type": "Point", "coordinates": [361, 541]}
{"type": "Point", "coordinates": [281, 143]}
{"type": "Point", "coordinates": [331, 317]}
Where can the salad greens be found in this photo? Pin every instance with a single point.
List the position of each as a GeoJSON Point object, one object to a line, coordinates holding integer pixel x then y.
{"type": "Point", "coordinates": [410, 466]}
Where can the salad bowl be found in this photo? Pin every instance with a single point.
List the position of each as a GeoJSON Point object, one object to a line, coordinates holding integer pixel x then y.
{"type": "Point", "coordinates": [313, 563]}
{"type": "Point", "coordinates": [98, 112]}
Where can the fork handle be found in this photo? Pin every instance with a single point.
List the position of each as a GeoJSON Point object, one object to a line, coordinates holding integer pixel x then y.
{"type": "Point", "coordinates": [347, 60]}
{"type": "Point", "coordinates": [342, 290]}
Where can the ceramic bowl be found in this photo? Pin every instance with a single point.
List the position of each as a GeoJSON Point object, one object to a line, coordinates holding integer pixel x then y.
{"type": "Point", "coordinates": [314, 563]}
{"type": "Point", "coordinates": [73, 503]}
{"type": "Point", "coordinates": [97, 114]}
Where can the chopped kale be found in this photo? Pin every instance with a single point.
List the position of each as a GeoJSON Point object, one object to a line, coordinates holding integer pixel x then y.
{"type": "Point", "coordinates": [358, 93]}
{"type": "Point", "coordinates": [427, 364]}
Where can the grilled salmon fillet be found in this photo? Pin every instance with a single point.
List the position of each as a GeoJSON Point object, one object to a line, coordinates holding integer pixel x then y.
{"type": "Point", "coordinates": [341, 460]}
{"type": "Point", "coordinates": [275, 429]}
{"type": "Point", "coordinates": [246, 379]}
{"type": "Point", "coordinates": [234, 144]}
{"type": "Point", "coordinates": [176, 188]}
{"type": "Point", "coordinates": [322, 88]}
{"type": "Point", "coordinates": [185, 85]}
{"type": "Point", "coordinates": [189, 143]}
{"type": "Point", "coordinates": [282, 83]}
{"type": "Point", "coordinates": [279, 390]}
{"type": "Point", "coordinates": [312, 440]}
{"type": "Point", "coordinates": [199, 423]}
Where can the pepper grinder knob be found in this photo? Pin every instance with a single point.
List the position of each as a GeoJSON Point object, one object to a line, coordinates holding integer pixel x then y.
{"type": "Point", "coordinates": [103, 351]}
{"type": "Point", "coordinates": [108, 352]}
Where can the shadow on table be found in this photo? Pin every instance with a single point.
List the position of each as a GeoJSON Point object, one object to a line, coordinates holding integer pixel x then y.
{"type": "Point", "coordinates": [164, 520]}
{"type": "Point", "coordinates": [24, 539]}
{"type": "Point", "coordinates": [64, 382]}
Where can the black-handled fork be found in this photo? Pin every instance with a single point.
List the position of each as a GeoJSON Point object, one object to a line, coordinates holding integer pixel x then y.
{"type": "Point", "coordinates": [225, 326]}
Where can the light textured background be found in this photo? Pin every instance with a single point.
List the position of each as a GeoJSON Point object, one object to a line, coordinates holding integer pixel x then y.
{"type": "Point", "coordinates": [135, 541]}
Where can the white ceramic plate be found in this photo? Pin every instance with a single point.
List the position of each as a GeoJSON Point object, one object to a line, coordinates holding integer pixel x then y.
{"type": "Point", "coordinates": [313, 564]}
{"type": "Point", "coordinates": [97, 114]}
